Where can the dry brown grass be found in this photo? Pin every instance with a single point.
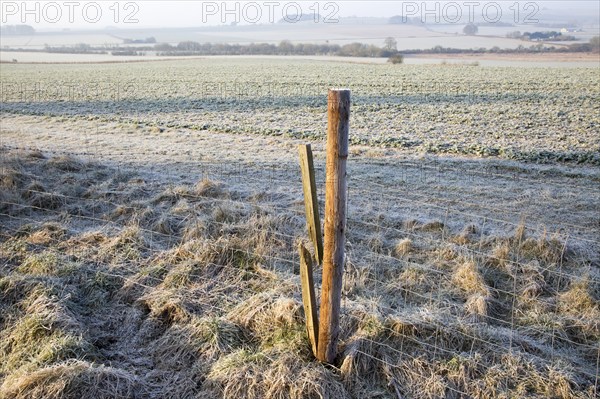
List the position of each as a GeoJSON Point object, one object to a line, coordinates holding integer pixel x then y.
{"type": "Point", "coordinates": [65, 163]}
{"type": "Point", "coordinates": [468, 278]}
{"type": "Point", "coordinates": [581, 306]}
{"type": "Point", "coordinates": [182, 292]}
{"type": "Point", "coordinates": [246, 374]}
{"type": "Point", "coordinates": [403, 247]}
{"type": "Point", "coordinates": [73, 379]}
{"type": "Point", "coordinates": [208, 188]}
{"type": "Point", "coordinates": [434, 226]}
{"type": "Point", "coordinates": [501, 255]}
{"type": "Point", "coordinates": [11, 179]}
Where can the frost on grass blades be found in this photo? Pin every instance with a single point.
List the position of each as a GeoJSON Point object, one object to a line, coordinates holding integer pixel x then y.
{"type": "Point", "coordinates": [151, 212]}
{"type": "Point", "coordinates": [44, 91]}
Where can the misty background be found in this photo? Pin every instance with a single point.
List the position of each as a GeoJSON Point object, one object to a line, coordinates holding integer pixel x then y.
{"type": "Point", "coordinates": [178, 14]}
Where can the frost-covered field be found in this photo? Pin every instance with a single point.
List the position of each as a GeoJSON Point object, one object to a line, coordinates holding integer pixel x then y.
{"type": "Point", "coordinates": [531, 114]}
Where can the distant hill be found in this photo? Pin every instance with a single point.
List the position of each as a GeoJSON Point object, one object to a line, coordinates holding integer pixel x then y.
{"type": "Point", "coordinates": [300, 18]}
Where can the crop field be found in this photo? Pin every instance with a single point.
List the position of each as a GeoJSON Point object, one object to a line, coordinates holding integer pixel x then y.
{"type": "Point", "coordinates": [526, 114]}
{"type": "Point", "coordinates": [150, 215]}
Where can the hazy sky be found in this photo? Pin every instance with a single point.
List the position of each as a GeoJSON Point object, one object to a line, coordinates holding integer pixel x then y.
{"type": "Point", "coordinates": [83, 14]}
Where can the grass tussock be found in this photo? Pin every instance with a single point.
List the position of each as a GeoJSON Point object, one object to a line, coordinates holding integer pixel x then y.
{"type": "Point", "coordinates": [43, 331]}
{"type": "Point", "coordinates": [500, 255]}
{"type": "Point", "coordinates": [209, 188]}
{"type": "Point", "coordinates": [205, 338]}
{"type": "Point", "coordinates": [247, 374]}
{"type": "Point", "coordinates": [470, 281]}
{"type": "Point", "coordinates": [580, 304]}
{"type": "Point", "coordinates": [403, 247]}
{"type": "Point", "coordinates": [47, 234]}
{"type": "Point", "coordinates": [44, 263]}
{"type": "Point", "coordinates": [432, 226]}
{"type": "Point", "coordinates": [11, 179]}
{"type": "Point", "coordinates": [468, 278]}
{"type": "Point", "coordinates": [546, 250]}
{"type": "Point", "coordinates": [74, 379]}
{"type": "Point", "coordinates": [128, 245]}
{"type": "Point", "coordinates": [275, 322]}
{"type": "Point", "coordinates": [65, 163]}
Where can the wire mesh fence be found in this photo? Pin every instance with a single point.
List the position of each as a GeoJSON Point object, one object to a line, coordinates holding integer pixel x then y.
{"type": "Point", "coordinates": [431, 278]}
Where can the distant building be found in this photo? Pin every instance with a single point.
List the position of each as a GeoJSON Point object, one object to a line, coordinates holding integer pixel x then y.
{"type": "Point", "coordinates": [569, 30]}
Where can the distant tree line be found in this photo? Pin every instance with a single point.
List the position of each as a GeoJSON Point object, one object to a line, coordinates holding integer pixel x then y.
{"type": "Point", "coordinates": [592, 46]}
{"type": "Point", "coordinates": [126, 52]}
{"type": "Point", "coordinates": [389, 49]}
{"type": "Point", "coordinates": [353, 49]}
{"type": "Point", "coordinates": [401, 20]}
{"type": "Point", "coordinates": [300, 18]}
{"type": "Point", "coordinates": [189, 48]}
{"type": "Point", "coordinates": [80, 48]}
{"type": "Point", "coordinates": [541, 36]}
{"type": "Point", "coordinates": [14, 30]}
{"type": "Point", "coordinates": [148, 40]}
{"type": "Point", "coordinates": [283, 48]}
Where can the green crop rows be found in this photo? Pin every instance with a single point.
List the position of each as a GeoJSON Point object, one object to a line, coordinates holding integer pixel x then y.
{"type": "Point", "coordinates": [533, 114]}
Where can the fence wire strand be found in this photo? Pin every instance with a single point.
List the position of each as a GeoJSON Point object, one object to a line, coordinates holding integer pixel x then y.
{"type": "Point", "coordinates": [508, 334]}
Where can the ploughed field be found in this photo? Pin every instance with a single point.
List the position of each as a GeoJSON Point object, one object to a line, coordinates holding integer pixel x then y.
{"type": "Point", "coordinates": [150, 215]}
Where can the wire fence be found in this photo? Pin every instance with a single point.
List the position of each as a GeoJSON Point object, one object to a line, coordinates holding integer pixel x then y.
{"type": "Point", "coordinates": [439, 328]}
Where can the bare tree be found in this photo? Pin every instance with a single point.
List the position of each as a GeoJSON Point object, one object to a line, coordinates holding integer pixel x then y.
{"type": "Point", "coordinates": [470, 29]}
{"type": "Point", "coordinates": [390, 44]}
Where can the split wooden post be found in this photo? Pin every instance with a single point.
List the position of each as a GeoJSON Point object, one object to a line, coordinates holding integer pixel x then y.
{"type": "Point", "coordinates": [308, 297]}
{"type": "Point", "coordinates": [338, 113]}
{"type": "Point", "coordinates": [311, 202]}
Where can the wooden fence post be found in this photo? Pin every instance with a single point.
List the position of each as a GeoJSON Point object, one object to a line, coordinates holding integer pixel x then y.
{"type": "Point", "coordinates": [311, 202]}
{"type": "Point", "coordinates": [338, 113]}
{"type": "Point", "coordinates": [308, 297]}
